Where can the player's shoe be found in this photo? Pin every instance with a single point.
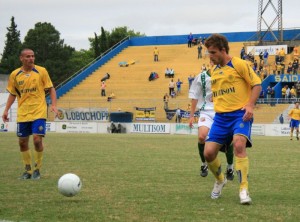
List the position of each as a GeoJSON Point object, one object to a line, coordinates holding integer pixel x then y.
{"type": "Point", "coordinates": [204, 170]}
{"type": "Point", "coordinates": [25, 176]}
{"type": "Point", "coordinates": [36, 175]}
{"type": "Point", "coordinates": [291, 139]}
{"type": "Point", "coordinates": [244, 197]}
{"type": "Point", "coordinates": [229, 174]}
{"type": "Point", "coordinates": [216, 192]}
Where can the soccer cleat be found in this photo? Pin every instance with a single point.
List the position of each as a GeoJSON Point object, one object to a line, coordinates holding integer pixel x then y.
{"type": "Point", "coordinates": [216, 192]}
{"type": "Point", "coordinates": [204, 170]}
{"type": "Point", "coordinates": [229, 174]}
{"type": "Point", "coordinates": [244, 197]}
{"type": "Point", "coordinates": [36, 175]}
{"type": "Point", "coordinates": [291, 139]}
{"type": "Point", "coordinates": [25, 176]}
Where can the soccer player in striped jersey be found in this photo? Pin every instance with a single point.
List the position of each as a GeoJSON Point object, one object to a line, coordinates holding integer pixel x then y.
{"type": "Point", "coordinates": [201, 98]}
{"type": "Point", "coordinates": [28, 84]}
{"type": "Point", "coordinates": [235, 89]}
{"type": "Point", "coordinates": [295, 118]}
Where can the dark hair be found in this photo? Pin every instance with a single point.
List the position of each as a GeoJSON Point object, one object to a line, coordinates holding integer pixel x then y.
{"type": "Point", "coordinates": [23, 50]}
{"type": "Point", "coordinates": [218, 41]}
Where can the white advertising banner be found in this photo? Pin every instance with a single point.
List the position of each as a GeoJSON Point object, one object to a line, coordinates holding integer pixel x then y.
{"type": "Point", "coordinates": [83, 114]}
{"type": "Point", "coordinates": [76, 127]}
{"type": "Point", "coordinates": [258, 130]}
{"type": "Point", "coordinates": [158, 128]}
{"type": "Point", "coordinates": [180, 128]}
{"type": "Point", "coordinates": [271, 49]}
{"type": "Point", "coordinates": [50, 127]}
{"type": "Point", "coordinates": [277, 130]}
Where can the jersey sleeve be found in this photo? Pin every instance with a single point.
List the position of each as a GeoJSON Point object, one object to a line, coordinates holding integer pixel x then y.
{"type": "Point", "coordinates": [195, 89]}
{"type": "Point", "coordinates": [247, 73]}
{"type": "Point", "coordinates": [46, 80]}
{"type": "Point", "coordinates": [11, 86]}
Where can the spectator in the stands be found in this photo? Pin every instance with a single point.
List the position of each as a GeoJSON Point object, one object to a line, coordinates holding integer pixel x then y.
{"type": "Point", "coordinates": [103, 86]}
{"type": "Point", "coordinates": [243, 53]}
{"type": "Point", "coordinates": [200, 51]}
{"type": "Point", "coordinates": [295, 66]}
{"type": "Point", "coordinates": [167, 72]}
{"type": "Point", "coordinates": [266, 56]}
{"type": "Point", "coordinates": [293, 93]}
{"type": "Point", "coordinates": [155, 53]}
{"type": "Point", "coordinates": [190, 39]}
{"type": "Point", "coordinates": [282, 55]}
{"type": "Point", "coordinates": [171, 86]}
{"type": "Point", "coordinates": [190, 80]}
{"type": "Point", "coordinates": [178, 85]}
{"type": "Point", "coordinates": [289, 68]}
{"type": "Point", "coordinates": [171, 73]}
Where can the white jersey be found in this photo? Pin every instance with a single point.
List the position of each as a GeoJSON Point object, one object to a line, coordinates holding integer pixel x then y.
{"type": "Point", "coordinates": [201, 90]}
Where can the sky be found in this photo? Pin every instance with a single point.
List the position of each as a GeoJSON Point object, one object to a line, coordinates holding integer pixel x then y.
{"type": "Point", "coordinates": [77, 20]}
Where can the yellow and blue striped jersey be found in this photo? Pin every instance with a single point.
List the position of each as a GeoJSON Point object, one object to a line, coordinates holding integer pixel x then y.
{"type": "Point", "coordinates": [231, 85]}
{"type": "Point", "coordinates": [29, 88]}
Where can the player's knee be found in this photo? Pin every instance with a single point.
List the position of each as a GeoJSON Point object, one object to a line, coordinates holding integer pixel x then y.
{"type": "Point", "coordinates": [202, 138]}
{"type": "Point", "coordinates": [37, 141]}
{"type": "Point", "coordinates": [240, 148]}
{"type": "Point", "coordinates": [23, 145]}
{"type": "Point", "coordinates": [209, 155]}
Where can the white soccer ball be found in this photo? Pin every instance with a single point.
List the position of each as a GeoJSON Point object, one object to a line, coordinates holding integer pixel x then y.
{"type": "Point", "coordinates": [69, 184]}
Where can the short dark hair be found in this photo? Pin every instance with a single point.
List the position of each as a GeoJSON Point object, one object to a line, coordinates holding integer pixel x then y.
{"type": "Point", "coordinates": [217, 40]}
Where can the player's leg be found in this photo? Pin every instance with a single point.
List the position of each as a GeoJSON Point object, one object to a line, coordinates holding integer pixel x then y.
{"type": "Point", "coordinates": [23, 132]}
{"type": "Point", "coordinates": [292, 126]}
{"type": "Point", "coordinates": [297, 129]}
{"type": "Point", "coordinates": [242, 167]}
{"type": "Point", "coordinates": [202, 134]}
{"type": "Point", "coordinates": [214, 165]}
{"type": "Point", "coordinates": [217, 137]}
{"type": "Point", "coordinates": [38, 130]}
{"type": "Point", "coordinates": [229, 158]}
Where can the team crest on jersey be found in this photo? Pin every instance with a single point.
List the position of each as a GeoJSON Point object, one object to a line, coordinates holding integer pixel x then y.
{"type": "Point", "coordinates": [242, 125]}
{"type": "Point", "coordinates": [230, 78]}
{"type": "Point", "coordinates": [221, 72]}
{"type": "Point", "coordinates": [41, 128]}
{"type": "Point", "coordinates": [27, 75]}
{"type": "Point", "coordinates": [202, 119]}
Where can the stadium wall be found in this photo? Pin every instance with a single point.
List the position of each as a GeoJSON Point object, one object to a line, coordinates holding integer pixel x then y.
{"type": "Point", "coordinates": [145, 128]}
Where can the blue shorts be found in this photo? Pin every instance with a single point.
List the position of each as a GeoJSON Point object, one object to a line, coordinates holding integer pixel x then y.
{"type": "Point", "coordinates": [294, 123]}
{"type": "Point", "coordinates": [226, 125]}
{"type": "Point", "coordinates": [25, 129]}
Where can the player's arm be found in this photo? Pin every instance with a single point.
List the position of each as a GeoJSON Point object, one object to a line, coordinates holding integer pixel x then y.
{"type": "Point", "coordinates": [193, 109]}
{"type": "Point", "coordinates": [52, 93]}
{"type": "Point", "coordinates": [249, 107]}
{"type": "Point", "coordinates": [10, 100]}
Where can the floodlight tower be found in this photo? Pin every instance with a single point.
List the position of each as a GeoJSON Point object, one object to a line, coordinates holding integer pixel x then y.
{"type": "Point", "coordinates": [262, 9]}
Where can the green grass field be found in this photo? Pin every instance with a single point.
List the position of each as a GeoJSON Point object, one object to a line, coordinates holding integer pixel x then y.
{"type": "Point", "coordinates": [130, 177]}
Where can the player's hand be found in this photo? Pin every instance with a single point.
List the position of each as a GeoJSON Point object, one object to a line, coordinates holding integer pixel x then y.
{"type": "Point", "coordinates": [54, 109]}
{"type": "Point", "coordinates": [191, 122]}
{"type": "Point", "coordinates": [248, 112]}
{"type": "Point", "coordinates": [5, 117]}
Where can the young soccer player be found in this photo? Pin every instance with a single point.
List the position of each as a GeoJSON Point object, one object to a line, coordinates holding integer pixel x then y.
{"type": "Point", "coordinates": [201, 95]}
{"type": "Point", "coordinates": [28, 84]}
{"type": "Point", "coordinates": [295, 118]}
{"type": "Point", "coordinates": [235, 89]}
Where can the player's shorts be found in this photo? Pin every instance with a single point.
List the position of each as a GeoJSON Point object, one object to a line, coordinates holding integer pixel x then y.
{"type": "Point", "coordinates": [294, 123]}
{"type": "Point", "coordinates": [206, 118]}
{"type": "Point", "coordinates": [25, 129]}
{"type": "Point", "coordinates": [226, 125]}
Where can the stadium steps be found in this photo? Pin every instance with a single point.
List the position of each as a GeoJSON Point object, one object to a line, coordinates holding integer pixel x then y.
{"type": "Point", "coordinates": [264, 113]}
{"type": "Point", "coordinates": [130, 84]}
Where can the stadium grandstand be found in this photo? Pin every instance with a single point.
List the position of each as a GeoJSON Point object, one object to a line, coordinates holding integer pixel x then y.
{"type": "Point", "coordinates": [132, 88]}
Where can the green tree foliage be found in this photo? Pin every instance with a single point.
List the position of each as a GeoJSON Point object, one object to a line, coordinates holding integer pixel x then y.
{"type": "Point", "coordinates": [50, 50]}
{"type": "Point", "coordinates": [107, 39]}
{"type": "Point", "coordinates": [97, 46]}
{"type": "Point", "coordinates": [10, 57]}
